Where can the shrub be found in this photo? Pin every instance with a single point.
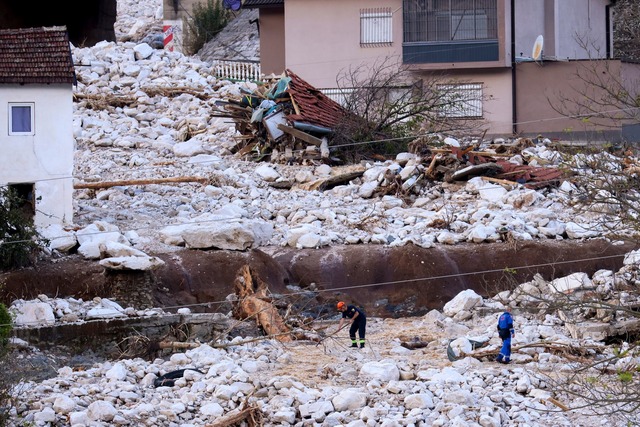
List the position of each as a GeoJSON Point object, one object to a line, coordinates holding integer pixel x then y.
{"type": "Point", "coordinates": [19, 240]}
{"type": "Point", "coordinates": [7, 381]}
{"type": "Point", "coordinates": [208, 19]}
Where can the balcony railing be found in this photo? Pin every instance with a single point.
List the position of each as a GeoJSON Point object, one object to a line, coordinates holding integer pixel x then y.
{"type": "Point", "coordinates": [237, 70]}
{"type": "Point", "coordinates": [450, 52]}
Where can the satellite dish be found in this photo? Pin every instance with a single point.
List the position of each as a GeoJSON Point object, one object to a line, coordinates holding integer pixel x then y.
{"type": "Point", "coordinates": [537, 49]}
{"type": "Point", "coordinates": [232, 4]}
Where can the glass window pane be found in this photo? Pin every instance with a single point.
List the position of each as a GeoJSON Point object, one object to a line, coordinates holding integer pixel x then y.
{"type": "Point", "coordinates": [447, 20]}
{"type": "Point", "coordinates": [21, 118]}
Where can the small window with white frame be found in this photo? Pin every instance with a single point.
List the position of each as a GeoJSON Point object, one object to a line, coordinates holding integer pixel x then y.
{"type": "Point", "coordinates": [21, 118]}
{"type": "Point", "coordinates": [375, 27]}
{"type": "Point", "coordinates": [461, 100]}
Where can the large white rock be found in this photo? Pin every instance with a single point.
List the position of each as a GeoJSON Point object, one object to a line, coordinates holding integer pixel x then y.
{"type": "Point", "coordinates": [188, 149]}
{"type": "Point", "coordinates": [385, 370]}
{"type": "Point", "coordinates": [63, 404]}
{"type": "Point", "coordinates": [268, 173]}
{"type": "Point", "coordinates": [464, 301]}
{"type": "Point", "coordinates": [59, 238]}
{"type": "Point", "coordinates": [116, 249]}
{"type": "Point", "coordinates": [101, 410]}
{"type": "Point", "coordinates": [486, 190]}
{"type": "Point", "coordinates": [239, 235]}
{"type": "Point", "coordinates": [34, 314]}
{"type": "Point", "coordinates": [349, 400]}
{"type": "Point", "coordinates": [133, 263]}
{"type": "Point", "coordinates": [100, 232]}
{"type": "Point", "coordinates": [570, 283]}
{"type": "Point", "coordinates": [582, 231]}
{"type": "Point", "coordinates": [419, 401]}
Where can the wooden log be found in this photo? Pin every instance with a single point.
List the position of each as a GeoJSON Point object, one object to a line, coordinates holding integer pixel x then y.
{"type": "Point", "coordinates": [412, 345]}
{"type": "Point", "coordinates": [250, 414]}
{"type": "Point", "coordinates": [295, 105]}
{"type": "Point", "coordinates": [178, 344]}
{"type": "Point", "coordinates": [109, 184]}
{"type": "Point", "coordinates": [500, 181]}
{"type": "Point", "coordinates": [432, 165]}
{"type": "Point", "coordinates": [300, 135]}
{"type": "Point", "coordinates": [558, 404]}
{"type": "Point", "coordinates": [478, 153]}
{"type": "Point", "coordinates": [325, 183]}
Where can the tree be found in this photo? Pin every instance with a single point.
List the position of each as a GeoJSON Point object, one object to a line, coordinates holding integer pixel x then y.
{"type": "Point", "coordinates": [387, 104]}
{"type": "Point", "coordinates": [19, 239]}
{"type": "Point", "coordinates": [626, 26]}
{"type": "Point", "coordinates": [601, 94]}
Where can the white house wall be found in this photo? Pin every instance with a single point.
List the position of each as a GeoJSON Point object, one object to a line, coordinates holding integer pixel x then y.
{"type": "Point", "coordinates": [45, 158]}
{"type": "Point", "coordinates": [579, 21]}
{"type": "Point", "coordinates": [564, 25]}
{"type": "Point", "coordinates": [530, 23]}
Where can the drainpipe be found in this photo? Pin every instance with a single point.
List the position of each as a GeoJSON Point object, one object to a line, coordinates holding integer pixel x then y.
{"type": "Point", "coordinates": [514, 112]}
{"type": "Point", "coordinates": [608, 24]}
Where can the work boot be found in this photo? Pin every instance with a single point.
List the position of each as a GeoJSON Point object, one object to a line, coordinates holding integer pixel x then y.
{"type": "Point", "coordinates": [354, 345]}
{"type": "Point", "coordinates": [361, 345]}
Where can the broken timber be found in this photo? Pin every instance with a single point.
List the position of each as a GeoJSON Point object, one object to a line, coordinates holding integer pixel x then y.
{"type": "Point", "coordinates": [332, 181]}
{"type": "Point", "coordinates": [300, 135]}
{"type": "Point", "coordinates": [252, 303]}
{"type": "Point", "coordinates": [250, 414]}
{"type": "Point", "coordinates": [109, 184]}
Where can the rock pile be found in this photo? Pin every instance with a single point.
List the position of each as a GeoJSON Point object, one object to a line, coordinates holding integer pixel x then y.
{"type": "Point", "coordinates": [301, 383]}
{"type": "Point", "coordinates": [145, 114]}
{"type": "Point", "coordinates": [154, 163]}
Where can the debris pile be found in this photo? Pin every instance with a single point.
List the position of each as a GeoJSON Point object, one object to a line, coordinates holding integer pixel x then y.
{"type": "Point", "coordinates": [284, 123]}
{"type": "Point", "coordinates": [292, 122]}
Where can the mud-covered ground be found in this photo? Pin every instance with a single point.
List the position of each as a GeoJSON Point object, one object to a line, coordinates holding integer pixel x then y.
{"type": "Point", "coordinates": [387, 282]}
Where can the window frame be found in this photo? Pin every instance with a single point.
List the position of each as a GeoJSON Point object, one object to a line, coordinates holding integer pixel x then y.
{"type": "Point", "coordinates": [376, 27]}
{"type": "Point", "coordinates": [471, 98]}
{"type": "Point", "coordinates": [426, 22]}
{"type": "Point", "coordinates": [31, 106]}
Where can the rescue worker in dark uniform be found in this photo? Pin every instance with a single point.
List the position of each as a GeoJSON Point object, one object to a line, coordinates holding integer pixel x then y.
{"type": "Point", "coordinates": [506, 332]}
{"type": "Point", "coordinates": [358, 322]}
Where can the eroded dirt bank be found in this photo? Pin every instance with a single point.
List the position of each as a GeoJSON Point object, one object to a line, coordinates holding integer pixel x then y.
{"type": "Point", "coordinates": [388, 282]}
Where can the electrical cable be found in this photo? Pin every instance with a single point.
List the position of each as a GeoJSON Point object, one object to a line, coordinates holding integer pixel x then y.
{"type": "Point", "coordinates": [409, 281]}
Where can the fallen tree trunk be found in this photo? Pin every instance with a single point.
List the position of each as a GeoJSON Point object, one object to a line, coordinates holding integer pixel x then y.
{"type": "Point", "coordinates": [109, 184]}
{"type": "Point", "coordinates": [570, 352]}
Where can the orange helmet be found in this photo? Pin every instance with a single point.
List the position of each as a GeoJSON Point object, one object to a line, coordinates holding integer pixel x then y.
{"type": "Point", "coordinates": [341, 305]}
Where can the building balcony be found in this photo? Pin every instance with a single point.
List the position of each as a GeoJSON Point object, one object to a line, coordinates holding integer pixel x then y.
{"type": "Point", "coordinates": [451, 52]}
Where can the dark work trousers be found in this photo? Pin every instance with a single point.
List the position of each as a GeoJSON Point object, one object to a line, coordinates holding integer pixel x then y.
{"type": "Point", "coordinates": [359, 325]}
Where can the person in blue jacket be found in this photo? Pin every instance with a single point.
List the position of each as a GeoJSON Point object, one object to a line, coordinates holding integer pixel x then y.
{"type": "Point", "coordinates": [506, 332]}
{"type": "Point", "coordinates": [358, 322]}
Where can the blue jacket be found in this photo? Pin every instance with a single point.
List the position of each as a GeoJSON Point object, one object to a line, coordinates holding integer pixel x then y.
{"type": "Point", "coordinates": [505, 325]}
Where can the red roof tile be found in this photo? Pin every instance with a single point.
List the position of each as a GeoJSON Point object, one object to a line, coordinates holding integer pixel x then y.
{"type": "Point", "coordinates": [36, 55]}
{"type": "Point", "coordinates": [313, 106]}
